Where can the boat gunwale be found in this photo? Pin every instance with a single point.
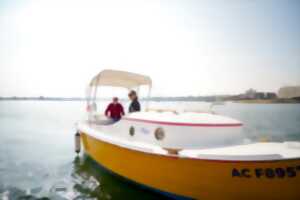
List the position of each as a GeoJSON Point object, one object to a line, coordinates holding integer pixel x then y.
{"type": "Point", "coordinates": [183, 123]}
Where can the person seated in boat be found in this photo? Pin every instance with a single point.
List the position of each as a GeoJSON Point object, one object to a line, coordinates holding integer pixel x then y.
{"type": "Point", "coordinates": [114, 110]}
{"type": "Point", "coordinates": [135, 104]}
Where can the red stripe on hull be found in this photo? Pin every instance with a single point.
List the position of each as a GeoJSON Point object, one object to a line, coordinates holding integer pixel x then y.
{"type": "Point", "coordinates": [182, 124]}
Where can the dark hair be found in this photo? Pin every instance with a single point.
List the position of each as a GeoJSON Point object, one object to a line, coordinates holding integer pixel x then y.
{"type": "Point", "coordinates": [132, 92]}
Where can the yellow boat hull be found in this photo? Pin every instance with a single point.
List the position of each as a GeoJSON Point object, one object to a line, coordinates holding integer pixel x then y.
{"type": "Point", "coordinates": [200, 178]}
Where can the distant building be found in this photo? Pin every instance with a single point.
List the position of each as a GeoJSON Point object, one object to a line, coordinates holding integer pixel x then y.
{"type": "Point", "coordinates": [253, 94]}
{"type": "Point", "coordinates": [259, 95]}
{"type": "Point", "coordinates": [250, 94]}
{"type": "Point", "coordinates": [289, 92]}
{"type": "Point", "coordinates": [270, 95]}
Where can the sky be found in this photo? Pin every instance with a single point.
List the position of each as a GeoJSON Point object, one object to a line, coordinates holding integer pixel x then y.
{"type": "Point", "coordinates": [188, 47]}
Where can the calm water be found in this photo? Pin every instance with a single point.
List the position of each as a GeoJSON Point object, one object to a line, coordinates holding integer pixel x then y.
{"type": "Point", "coordinates": [37, 157]}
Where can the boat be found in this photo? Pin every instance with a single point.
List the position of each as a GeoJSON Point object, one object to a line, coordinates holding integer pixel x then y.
{"type": "Point", "coordinates": [186, 155]}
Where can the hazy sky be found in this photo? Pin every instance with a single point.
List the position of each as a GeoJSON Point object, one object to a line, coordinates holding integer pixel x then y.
{"type": "Point", "coordinates": [55, 47]}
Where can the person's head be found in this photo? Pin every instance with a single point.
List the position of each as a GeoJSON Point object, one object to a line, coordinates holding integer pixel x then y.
{"type": "Point", "coordinates": [132, 95]}
{"type": "Point", "coordinates": [115, 100]}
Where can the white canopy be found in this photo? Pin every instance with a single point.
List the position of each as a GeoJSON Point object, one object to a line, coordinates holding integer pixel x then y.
{"type": "Point", "coordinates": [120, 79]}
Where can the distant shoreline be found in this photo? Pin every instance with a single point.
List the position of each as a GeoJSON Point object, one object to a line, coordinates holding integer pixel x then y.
{"type": "Point", "coordinates": [268, 101]}
{"type": "Point", "coordinates": [209, 99]}
{"type": "Point", "coordinates": [41, 99]}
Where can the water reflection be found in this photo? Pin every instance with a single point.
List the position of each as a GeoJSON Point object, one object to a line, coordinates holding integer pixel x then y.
{"type": "Point", "coordinates": [87, 180]}
{"type": "Point", "coordinates": [95, 182]}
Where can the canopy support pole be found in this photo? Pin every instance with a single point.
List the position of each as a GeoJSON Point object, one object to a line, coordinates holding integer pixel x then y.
{"type": "Point", "coordinates": [148, 97]}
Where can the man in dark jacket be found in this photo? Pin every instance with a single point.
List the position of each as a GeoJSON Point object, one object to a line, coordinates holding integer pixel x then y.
{"type": "Point", "coordinates": [135, 104]}
{"type": "Point", "coordinates": [114, 110]}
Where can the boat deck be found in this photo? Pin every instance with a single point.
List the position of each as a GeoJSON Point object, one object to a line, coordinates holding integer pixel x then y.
{"type": "Point", "coordinates": [254, 151]}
